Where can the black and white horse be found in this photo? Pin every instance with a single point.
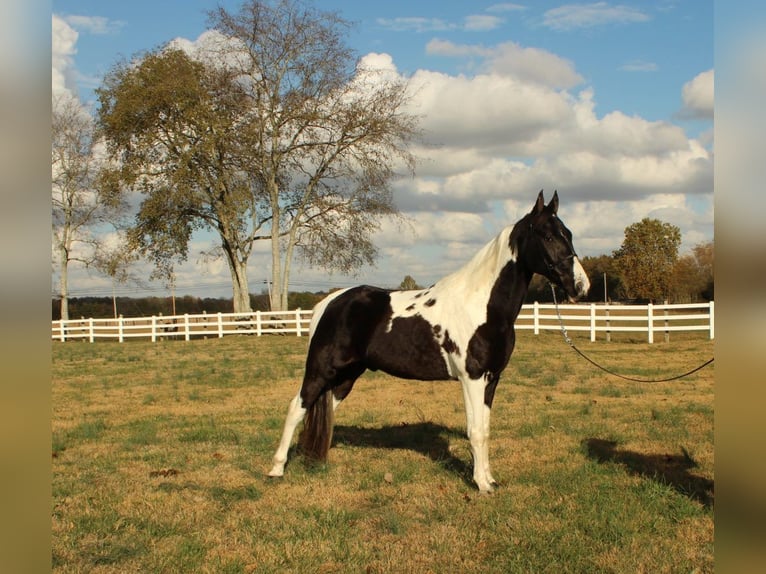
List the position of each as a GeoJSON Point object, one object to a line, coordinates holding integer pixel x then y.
{"type": "Point", "coordinates": [461, 328]}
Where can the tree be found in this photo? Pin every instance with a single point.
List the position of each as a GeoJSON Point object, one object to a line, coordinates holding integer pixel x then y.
{"type": "Point", "coordinates": [330, 134]}
{"type": "Point", "coordinates": [692, 278]}
{"type": "Point", "coordinates": [177, 129]}
{"type": "Point", "coordinates": [598, 268]}
{"type": "Point", "coordinates": [646, 258]}
{"type": "Point", "coordinates": [704, 256]}
{"type": "Point", "coordinates": [268, 133]}
{"type": "Point", "coordinates": [79, 203]}
{"type": "Point", "coordinates": [409, 284]}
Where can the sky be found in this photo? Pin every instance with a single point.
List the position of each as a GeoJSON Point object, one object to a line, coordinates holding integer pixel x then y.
{"type": "Point", "coordinates": [610, 103]}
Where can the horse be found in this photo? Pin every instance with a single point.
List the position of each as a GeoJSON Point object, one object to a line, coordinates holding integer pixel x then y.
{"type": "Point", "coordinates": [461, 328]}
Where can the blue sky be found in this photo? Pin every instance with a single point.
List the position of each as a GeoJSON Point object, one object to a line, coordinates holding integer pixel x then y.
{"type": "Point", "coordinates": [609, 102]}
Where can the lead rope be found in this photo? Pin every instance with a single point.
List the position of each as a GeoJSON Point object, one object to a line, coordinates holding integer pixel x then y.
{"type": "Point", "coordinates": [594, 363]}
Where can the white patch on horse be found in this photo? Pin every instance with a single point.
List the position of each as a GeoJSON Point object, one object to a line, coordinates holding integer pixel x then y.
{"type": "Point", "coordinates": [582, 283]}
{"type": "Point", "coordinates": [458, 302]}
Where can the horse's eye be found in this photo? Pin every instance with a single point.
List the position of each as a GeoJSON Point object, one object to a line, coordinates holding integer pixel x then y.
{"type": "Point", "coordinates": [549, 237]}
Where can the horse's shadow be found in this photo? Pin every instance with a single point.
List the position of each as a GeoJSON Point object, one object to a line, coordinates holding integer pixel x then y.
{"type": "Point", "coordinates": [427, 438]}
{"type": "Point", "coordinates": [670, 469]}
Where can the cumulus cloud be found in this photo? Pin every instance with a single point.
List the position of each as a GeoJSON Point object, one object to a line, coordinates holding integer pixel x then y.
{"type": "Point", "coordinates": [63, 50]}
{"type": "Point", "coordinates": [497, 138]}
{"type": "Point", "coordinates": [697, 96]}
{"type": "Point", "coordinates": [572, 16]}
{"type": "Point", "coordinates": [510, 59]}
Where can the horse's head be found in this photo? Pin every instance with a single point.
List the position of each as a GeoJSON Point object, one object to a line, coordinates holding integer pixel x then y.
{"type": "Point", "coordinates": [547, 248]}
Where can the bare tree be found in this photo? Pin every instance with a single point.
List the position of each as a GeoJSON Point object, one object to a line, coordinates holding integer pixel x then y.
{"type": "Point", "coordinates": [330, 134]}
{"type": "Point", "coordinates": [114, 259]}
{"type": "Point", "coordinates": [78, 203]}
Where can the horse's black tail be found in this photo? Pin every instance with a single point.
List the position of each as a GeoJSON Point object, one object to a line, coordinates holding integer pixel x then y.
{"type": "Point", "coordinates": [316, 437]}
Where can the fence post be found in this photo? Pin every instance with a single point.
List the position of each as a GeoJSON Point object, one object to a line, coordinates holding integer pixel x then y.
{"type": "Point", "coordinates": [154, 328]}
{"type": "Point", "coordinates": [91, 331]}
{"type": "Point", "coordinates": [608, 332]}
{"type": "Point", "coordinates": [592, 322]}
{"type": "Point", "coordinates": [298, 321]}
{"type": "Point", "coordinates": [120, 338]}
{"type": "Point", "coordinates": [712, 321]}
{"type": "Point", "coordinates": [220, 325]}
{"type": "Point", "coordinates": [667, 333]}
{"type": "Point", "coordinates": [258, 331]}
{"type": "Point", "coordinates": [186, 326]}
{"type": "Point", "coordinates": [650, 321]}
{"type": "Point", "coordinates": [536, 317]}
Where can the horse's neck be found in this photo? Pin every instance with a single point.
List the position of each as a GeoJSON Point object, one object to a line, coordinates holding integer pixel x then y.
{"type": "Point", "coordinates": [479, 275]}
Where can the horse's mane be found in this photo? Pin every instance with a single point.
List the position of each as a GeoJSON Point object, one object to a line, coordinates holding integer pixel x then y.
{"type": "Point", "coordinates": [486, 265]}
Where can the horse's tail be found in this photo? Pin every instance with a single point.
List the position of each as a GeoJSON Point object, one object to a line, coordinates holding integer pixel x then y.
{"type": "Point", "coordinates": [316, 437]}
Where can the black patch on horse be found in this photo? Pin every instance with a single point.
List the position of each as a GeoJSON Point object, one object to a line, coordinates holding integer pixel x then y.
{"type": "Point", "coordinates": [449, 345]}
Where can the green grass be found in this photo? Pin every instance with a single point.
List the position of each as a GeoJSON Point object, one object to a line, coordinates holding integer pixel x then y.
{"type": "Point", "coordinates": [160, 453]}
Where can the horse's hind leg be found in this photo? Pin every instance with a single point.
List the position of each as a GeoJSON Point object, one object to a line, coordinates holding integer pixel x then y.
{"type": "Point", "coordinates": [310, 392]}
{"type": "Point", "coordinates": [341, 391]}
{"type": "Point", "coordinates": [295, 414]}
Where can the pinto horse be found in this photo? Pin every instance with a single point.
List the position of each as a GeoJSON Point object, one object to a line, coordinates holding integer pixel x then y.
{"type": "Point", "coordinates": [461, 328]}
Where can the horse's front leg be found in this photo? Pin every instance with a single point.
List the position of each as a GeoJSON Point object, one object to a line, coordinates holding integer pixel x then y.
{"type": "Point", "coordinates": [477, 419]}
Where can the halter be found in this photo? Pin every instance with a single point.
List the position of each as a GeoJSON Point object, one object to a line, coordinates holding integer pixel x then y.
{"type": "Point", "coordinates": [571, 255]}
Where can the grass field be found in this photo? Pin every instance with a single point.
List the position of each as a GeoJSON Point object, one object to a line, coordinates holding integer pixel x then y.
{"type": "Point", "coordinates": [160, 453]}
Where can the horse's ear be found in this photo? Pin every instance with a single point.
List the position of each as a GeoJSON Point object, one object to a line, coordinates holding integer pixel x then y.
{"type": "Point", "coordinates": [539, 204]}
{"type": "Point", "coordinates": [553, 206]}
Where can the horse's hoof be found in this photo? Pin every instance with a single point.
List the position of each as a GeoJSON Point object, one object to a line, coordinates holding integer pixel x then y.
{"type": "Point", "coordinates": [488, 489]}
{"type": "Point", "coordinates": [275, 473]}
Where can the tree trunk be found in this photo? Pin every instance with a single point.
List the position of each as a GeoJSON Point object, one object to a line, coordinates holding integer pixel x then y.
{"type": "Point", "coordinates": [64, 283]}
{"type": "Point", "coordinates": [239, 287]}
{"type": "Point", "coordinates": [275, 293]}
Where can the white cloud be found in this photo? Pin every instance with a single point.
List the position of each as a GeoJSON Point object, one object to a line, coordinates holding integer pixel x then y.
{"type": "Point", "coordinates": [98, 25]}
{"type": "Point", "coordinates": [486, 111]}
{"type": "Point", "coordinates": [63, 50]}
{"type": "Point", "coordinates": [510, 59]}
{"type": "Point", "coordinates": [482, 22]}
{"type": "Point", "coordinates": [572, 16]}
{"type": "Point", "coordinates": [697, 96]}
{"type": "Point", "coordinates": [415, 24]}
{"type": "Point", "coordinates": [506, 7]}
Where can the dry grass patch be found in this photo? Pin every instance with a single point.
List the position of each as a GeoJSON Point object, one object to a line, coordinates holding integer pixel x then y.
{"type": "Point", "coordinates": [160, 453]}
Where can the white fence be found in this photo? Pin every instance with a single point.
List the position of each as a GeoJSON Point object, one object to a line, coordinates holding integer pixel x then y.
{"type": "Point", "coordinates": [596, 319]}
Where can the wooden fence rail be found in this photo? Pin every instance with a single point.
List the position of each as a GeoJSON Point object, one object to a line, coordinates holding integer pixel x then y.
{"type": "Point", "coordinates": [593, 317]}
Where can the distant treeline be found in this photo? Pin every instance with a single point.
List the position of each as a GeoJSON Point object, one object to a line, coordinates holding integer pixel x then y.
{"type": "Point", "coordinates": [103, 307]}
